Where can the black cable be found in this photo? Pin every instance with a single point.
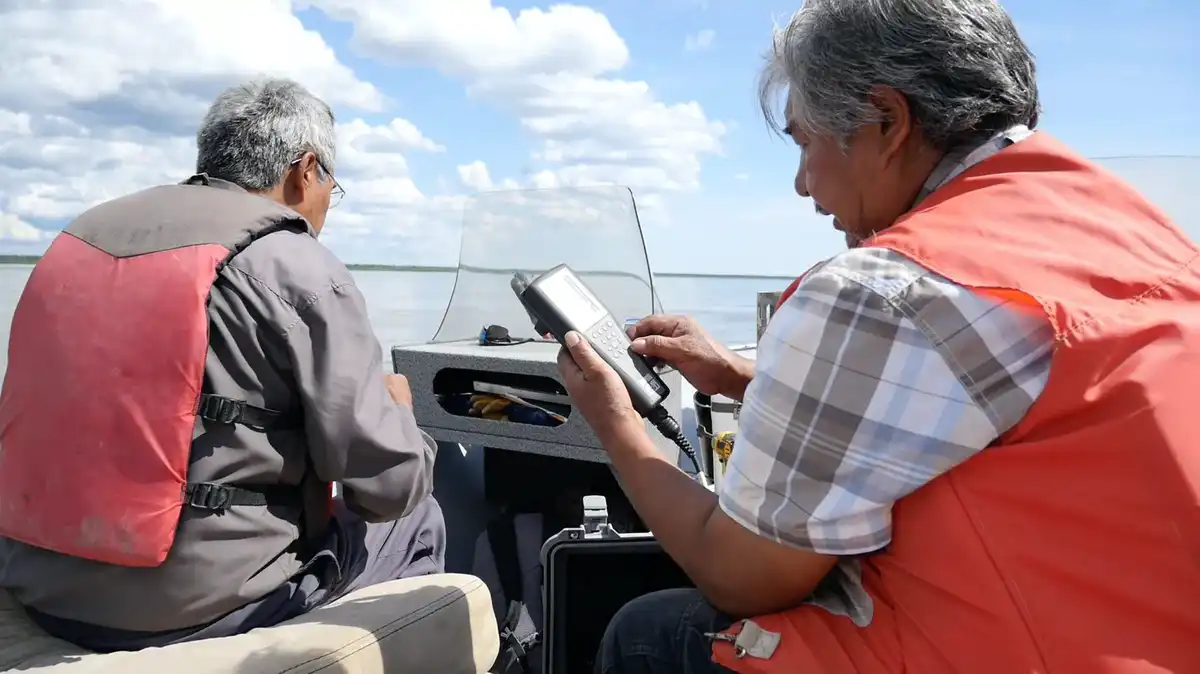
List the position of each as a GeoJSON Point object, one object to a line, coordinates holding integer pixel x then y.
{"type": "Point", "coordinates": [510, 342]}
{"type": "Point", "coordinates": [671, 430]}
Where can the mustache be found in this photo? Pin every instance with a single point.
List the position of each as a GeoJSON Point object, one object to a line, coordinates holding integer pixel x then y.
{"type": "Point", "coordinates": [820, 209]}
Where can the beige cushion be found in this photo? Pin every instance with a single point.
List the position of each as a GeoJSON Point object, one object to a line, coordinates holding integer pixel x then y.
{"type": "Point", "coordinates": [442, 623]}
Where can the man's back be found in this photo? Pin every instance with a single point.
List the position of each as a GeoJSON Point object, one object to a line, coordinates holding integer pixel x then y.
{"type": "Point", "coordinates": [272, 311]}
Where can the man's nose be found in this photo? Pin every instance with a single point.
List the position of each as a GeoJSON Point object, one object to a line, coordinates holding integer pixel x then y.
{"type": "Point", "coordinates": [801, 183]}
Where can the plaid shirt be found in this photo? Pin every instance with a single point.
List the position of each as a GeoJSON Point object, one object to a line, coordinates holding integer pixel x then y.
{"type": "Point", "coordinates": [874, 378]}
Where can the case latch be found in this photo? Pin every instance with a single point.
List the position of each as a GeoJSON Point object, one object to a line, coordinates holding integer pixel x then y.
{"type": "Point", "coordinates": [595, 515]}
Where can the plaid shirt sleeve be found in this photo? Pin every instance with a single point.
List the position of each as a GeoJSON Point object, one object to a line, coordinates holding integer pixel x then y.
{"type": "Point", "coordinates": [874, 378]}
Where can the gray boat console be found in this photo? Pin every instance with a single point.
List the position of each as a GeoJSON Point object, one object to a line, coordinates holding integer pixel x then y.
{"type": "Point", "coordinates": [437, 371]}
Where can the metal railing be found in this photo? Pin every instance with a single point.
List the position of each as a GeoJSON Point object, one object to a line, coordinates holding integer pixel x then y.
{"type": "Point", "coordinates": [766, 309]}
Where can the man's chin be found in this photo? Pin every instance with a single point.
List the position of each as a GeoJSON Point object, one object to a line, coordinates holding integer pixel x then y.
{"type": "Point", "coordinates": [852, 241]}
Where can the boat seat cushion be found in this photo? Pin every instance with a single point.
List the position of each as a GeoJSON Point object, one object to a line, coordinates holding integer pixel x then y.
{"type": "Point", "coordinates": [441, 623]}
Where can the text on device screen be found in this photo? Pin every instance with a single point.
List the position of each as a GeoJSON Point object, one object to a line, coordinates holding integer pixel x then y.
{"type": "Point", "coordinates": [579, 306]}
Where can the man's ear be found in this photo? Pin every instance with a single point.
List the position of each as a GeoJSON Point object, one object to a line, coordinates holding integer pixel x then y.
{"type": "Point", "coordinates": [300, 178]}
{"type": "Point", "coordinates": [306, 170]}
{"type": "Point", "coordinates": [896, 123]}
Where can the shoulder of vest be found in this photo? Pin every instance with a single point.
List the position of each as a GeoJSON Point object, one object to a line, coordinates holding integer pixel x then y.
{"type": "Point", "coordinates": [178, 216]}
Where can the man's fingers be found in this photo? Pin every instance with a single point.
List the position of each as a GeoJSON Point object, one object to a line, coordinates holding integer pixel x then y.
{"type": "Point", "coordinates": [656, 324]}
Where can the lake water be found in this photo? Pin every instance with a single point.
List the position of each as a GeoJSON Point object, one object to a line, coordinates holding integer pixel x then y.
{"type": "Point", "coordinates": [407, 307]}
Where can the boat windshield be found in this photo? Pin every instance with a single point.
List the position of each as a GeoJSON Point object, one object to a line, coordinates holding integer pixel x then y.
{"type": "Point", "coordinates": [594, 230]}
{"type": "Point", "coordinates": [1168, 182]}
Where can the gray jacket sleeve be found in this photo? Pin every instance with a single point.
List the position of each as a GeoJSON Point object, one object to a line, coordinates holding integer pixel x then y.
{"type": "Point", "coordinates": [357, 435]}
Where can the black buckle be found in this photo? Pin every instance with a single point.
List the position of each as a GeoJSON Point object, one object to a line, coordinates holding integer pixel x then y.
{"type": "Point", "coordinates": [512, 646]}
{"type": "Point", "coordinates": [222, 410]}
{"type": "Point", "coordinates": [208, 496]}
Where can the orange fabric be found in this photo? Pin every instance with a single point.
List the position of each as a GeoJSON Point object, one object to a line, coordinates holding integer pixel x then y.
{"type": "Point", "coordinates": [106, 361]}
{"type": "Point", "coordinates": [1072, 545]}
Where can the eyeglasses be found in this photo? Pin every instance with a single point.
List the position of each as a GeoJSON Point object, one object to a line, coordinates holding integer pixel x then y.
{"type": "Point", "coordinates": [337, 192]}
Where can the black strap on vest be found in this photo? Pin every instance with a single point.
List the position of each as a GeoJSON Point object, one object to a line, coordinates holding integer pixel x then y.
{"type": "Point", "coordinates": [224, 410]}
{"type": "Point", "coordinates": [219, 497]}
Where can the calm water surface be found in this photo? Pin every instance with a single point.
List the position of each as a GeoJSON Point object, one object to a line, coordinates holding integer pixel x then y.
{"type": "Point", "coordinates": [407, 307]}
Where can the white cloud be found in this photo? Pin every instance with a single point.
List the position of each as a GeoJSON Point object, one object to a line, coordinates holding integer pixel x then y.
{"type": "Point", "coordinates": [97, 101]}
{"type": "Point", "coordinates": [373, 169]}
{"type": "Point", "coordinates": [55, 166]}
{"type": "Point", "coordinates": [101, 99]}
{"type": "Point", "coordinates": [397, 135]}
{"type": "Point", "coordinates": [476, 177]}
{"type": "Point", "coordinates": [147, 53]}
{"type": "Point", "coordinates": [700, 41]}
{"type": "Point", "coordinates": [13, 228]}
{"type": "Point", "coordinates": [554, 69]}
{"type": "Point", "coordinates": [471, 38]}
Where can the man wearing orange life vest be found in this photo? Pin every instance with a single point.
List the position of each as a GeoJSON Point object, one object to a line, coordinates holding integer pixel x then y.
{"type": "Point", "coordinates": [960, 449]}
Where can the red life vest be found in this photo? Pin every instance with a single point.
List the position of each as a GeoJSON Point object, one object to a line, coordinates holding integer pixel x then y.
{"type": "Point", "coordinates": [791, 289]}
{"type": "Point", "coordinates": [106, 363]}
{"type": "Point", "coordinates": [1072, 544]}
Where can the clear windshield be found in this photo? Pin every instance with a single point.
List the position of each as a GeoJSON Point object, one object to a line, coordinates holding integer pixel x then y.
{"type": "Point", "coordinates": [1167, 182]}
{"type": "Point", "coordinates": [594, 230]}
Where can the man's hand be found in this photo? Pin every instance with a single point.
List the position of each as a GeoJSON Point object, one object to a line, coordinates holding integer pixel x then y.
{"type": "Point", "coordinates": [739, 571]}
{"type": "Point", "coordinates": [681, 343]}
{"type": "Point", "coordinates": [597, 392]}
{"type": "Point", "coordinates": [397, 386]}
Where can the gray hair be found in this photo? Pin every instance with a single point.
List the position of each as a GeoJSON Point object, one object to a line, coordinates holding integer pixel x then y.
{"type": "Point", "coordinates": [963, 68]}
{"type": "Point", "coordinates": [254, 131]}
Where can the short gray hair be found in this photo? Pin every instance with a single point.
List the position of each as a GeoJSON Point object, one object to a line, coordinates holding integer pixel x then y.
{"type": "Point", "coordinates": [962, 66]}
{"type": "Point", "coordinates": [254, 131]}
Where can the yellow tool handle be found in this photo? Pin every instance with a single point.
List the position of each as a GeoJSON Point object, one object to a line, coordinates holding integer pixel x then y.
{"type": "Point", "coordinates": [723, 446]}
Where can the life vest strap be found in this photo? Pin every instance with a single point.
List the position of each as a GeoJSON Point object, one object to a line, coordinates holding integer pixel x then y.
{"type": "Point", "coordinates": [224, 410]}
{"type": "Point", "coordinates": [219, 497]}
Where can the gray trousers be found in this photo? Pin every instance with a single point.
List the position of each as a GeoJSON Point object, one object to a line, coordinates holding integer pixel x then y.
{"type": "Point", "coordinates": [355, 554]}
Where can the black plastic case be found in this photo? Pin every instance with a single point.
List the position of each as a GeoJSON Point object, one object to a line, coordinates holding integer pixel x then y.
{"type": "Point", "coordinates": [589, 573]}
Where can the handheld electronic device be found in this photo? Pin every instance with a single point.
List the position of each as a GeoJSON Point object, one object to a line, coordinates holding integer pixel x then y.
{"type": "Point", "coordinates": [558, 302]}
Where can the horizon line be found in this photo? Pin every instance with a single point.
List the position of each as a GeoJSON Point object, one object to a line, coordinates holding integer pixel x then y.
{"type": "Point", "coordinates": [21, 259]}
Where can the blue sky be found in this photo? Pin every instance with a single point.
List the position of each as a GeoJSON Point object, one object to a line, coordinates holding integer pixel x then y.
{"type": "Point", "coordinates": [1117, 78]}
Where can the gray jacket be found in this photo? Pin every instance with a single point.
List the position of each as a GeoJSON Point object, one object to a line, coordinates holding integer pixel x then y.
{"type": "Point", "coordinates": [288, 330]}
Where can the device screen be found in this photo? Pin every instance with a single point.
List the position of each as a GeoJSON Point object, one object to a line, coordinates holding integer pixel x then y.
{"type": "Point", "coordinates": [580, 308]}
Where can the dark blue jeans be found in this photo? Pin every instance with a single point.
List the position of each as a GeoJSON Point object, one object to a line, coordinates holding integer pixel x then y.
{"type": "Point", "coordinates": [662, 633]}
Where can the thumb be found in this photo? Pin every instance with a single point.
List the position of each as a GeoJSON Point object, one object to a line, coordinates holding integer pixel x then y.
{"type": "Point", "coordinates": [582, 353]}
{"type": "Point", "coordinates": [656, 346]}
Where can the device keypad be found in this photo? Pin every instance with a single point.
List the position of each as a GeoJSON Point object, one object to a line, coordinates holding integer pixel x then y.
{"type": "Point", "coordinates": [608, 336]}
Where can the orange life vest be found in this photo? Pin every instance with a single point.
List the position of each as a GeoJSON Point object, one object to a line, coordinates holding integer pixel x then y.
{"type": "Point", "coordinates": [105, 371]}
{"type": "Point", "coordinates": [1072, 545]}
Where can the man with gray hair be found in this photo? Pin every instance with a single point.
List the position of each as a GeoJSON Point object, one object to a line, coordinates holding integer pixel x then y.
{"type": "Point", "coordinates": [961, 449]}
{"type": "Point", "coordinates": [190, 372]}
